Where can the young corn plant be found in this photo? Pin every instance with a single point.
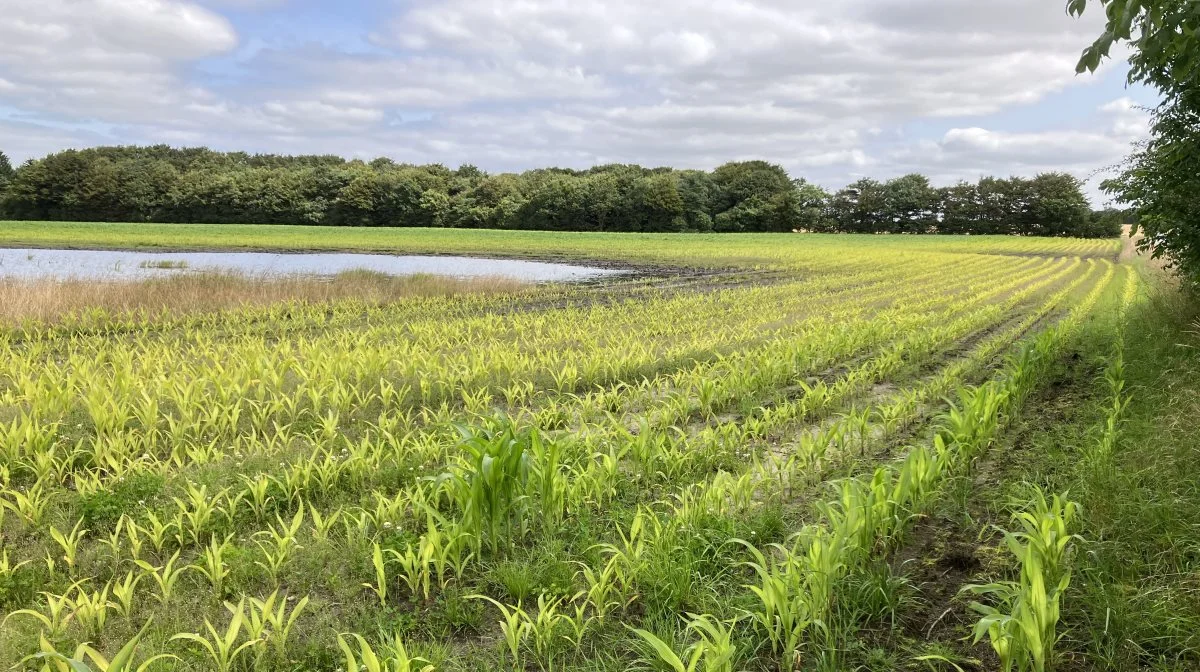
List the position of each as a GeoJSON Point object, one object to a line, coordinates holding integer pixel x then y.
{"type": "Point", "coordinates": [270, 619]}
{"type": "Point", "coordinates": [223, 649]}
{"type": "Point", "coordinates": [1022, 624]}
{"type": "Point", "coordinates": [488, 484]}
{"type": "Point", "coordinates": [166, 576]}
{"type": "Point", "coordinates": [156, 530]}
{"type": "Point", "coordinates": [197, 510]}
{"type": "Point", "coordinates": [323, 523]}
{"type": "Point", "coordinates": [279, 544]}
{"type": "Point", "coordinates": [87, 659]}
{"type": "Point", "coordinates": [59, 613]}
{"type": "Point", "coordinates": [601, 588]}
{"type": "Point", "coordinates": [30, 505]}
{"type": "Point", "coordinates": [714, 651]}
{"type": "Point", "coordinates": [1100, 453]}
{"type": "Point", "coordinates": [972, 422]}
{"type": "Point", "coordinates": [123, 592]}
{"type": "Point", "coordinates": [380, 587]}
{"type": "Point", "coordinates": [785, 610]}
{"type": "Point", "coordinates": [212, 565]}
{"type": "Point", "coordinates": [365, 659]}
{"type": "Point", "coordinates": [90, 609]}
{"type": "Point", "coordinates": [417, 566]}
{"type": "Point", "coordinates": [114, 540]}
{"type": "Point", "coordinates": [516, 626]}
{"type": "Point", "coordinates": [257, 494]}
{"type": "Point", "coordinates": [629, 556]}
{"type": "Point", "coordinates": [546, 630]}
{"type": "Point", "coordinates": [450, 551]}
{"type": "Point", "coordinates": [8, 569]}
{"type": "Point", "coordinates": [579, 623]}
{"type": "Point", "coordinates": [549, 480]}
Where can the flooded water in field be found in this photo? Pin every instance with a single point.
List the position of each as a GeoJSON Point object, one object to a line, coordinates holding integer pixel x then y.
{"type": "Point", "coordinates": [116, 265]}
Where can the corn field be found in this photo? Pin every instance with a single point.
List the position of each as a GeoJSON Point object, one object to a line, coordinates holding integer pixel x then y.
{"type": "Point", "coordinates": [702, 471]}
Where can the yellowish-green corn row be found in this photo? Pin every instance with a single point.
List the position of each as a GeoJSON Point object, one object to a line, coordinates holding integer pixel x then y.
{"type": "Point", "coordinates": [242, 490]}
{"type": "Point", "coordinates": [804, 458]}
{"type": "Point", "coordinates": [755, 375]}
{"type": "Point", "coordinates": [251, 380]}
{"type": "Point", "coordinates": [795, 584]}
{"type": "Point", "coordinates": [1020, 617]}
{"type": "Point", "coordinates": [421, 344]}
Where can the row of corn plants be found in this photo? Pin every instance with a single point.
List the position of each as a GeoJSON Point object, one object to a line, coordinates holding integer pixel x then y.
{"type": "Point", "coordinates": [425, 503]}
{"type": "Point", "coordinates": [643, 536]}
{"type": "Point", "coordinates": [1020, 618]}
{"type": "Point", "coordinates": [796, 583]}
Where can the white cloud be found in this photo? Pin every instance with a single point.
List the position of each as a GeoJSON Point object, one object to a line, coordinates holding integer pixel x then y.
{"type": "Point", "coordinates": [1120, 124]}
{"type": "Point", "coordinates": [1087, 150]}
{"type": "Point", "coordinates": [1029, 149]}
{"type": "Point", "coordinates": [683, 48]}
{"type": "Point", "coordinates": [865, 57]}
{"type": "Point", "coordinates": [307, 113]}
{"type": "Point", "coordinates": [111, 61]}
{"type": "Point", "coordinates": [168, 30]}
{"type": "Point", "coordinates": [823, 87]}
{"type": "Point", "coordinates": [1130, 120]}
{"type": "Point", "coordinates": [21, 140]}
{"type": "Point", "coordinates": [132, 31]}
{"type": "Point", "coordinates": [254, 5]}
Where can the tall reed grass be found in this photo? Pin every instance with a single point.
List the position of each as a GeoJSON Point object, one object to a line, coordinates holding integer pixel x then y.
{"type": "Point", "coordinates": [50, 299]}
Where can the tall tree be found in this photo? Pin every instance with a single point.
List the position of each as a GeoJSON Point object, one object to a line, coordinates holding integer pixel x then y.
{"type": "Point", "coordinates": [6, 173]}
{"type": "Point", "coordinates": [960, 208]}
{"type": "Point", "coordinates": [749, 196]}
{"type": "Point", "coordinates": [860, 207]}
{"type": "Point", "coordinates": [1161, 179]}
{"type": "Point", "coordinates": [1057, 203]}
{"type": "Point", "coordinates": [910, 204]}
{"type": "Point", "coordinates": [1161, 35]}
{"type": "Point", "coordinates": [6, 169]}
{"type": "Point", "coordinates": [808, 202]}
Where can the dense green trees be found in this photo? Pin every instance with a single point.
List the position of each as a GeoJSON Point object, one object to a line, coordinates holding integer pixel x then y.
{"type": "Point", "coordinates": [1161, 180]}
{"type": "Point", "coordinates": [162, 184]}
{"type": "Point", "coordinates": [6, 171]}
{"type": "Point", "coordinates": [1051, 204]}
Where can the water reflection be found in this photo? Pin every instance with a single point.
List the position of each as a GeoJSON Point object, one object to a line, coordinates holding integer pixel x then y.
{"type": "Point", "coordinates": [108, 264]}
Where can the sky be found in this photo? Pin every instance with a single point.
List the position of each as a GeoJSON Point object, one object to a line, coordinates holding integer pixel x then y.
{"type": "Point", "coordinates": [833, 90]}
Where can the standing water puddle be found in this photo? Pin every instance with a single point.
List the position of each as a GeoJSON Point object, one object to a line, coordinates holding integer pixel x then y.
{"type": "Point", "coordinates": [117, 265]}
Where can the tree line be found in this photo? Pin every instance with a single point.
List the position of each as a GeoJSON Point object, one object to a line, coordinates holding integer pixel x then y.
{"type": "Point", "coordinates": [165, 184]}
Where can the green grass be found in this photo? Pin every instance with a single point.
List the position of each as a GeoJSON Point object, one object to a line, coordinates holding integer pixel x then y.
{"type": "Point", "coordinates": [1138, 605]}
{"type": "Point", "coordinates": [699, 249]}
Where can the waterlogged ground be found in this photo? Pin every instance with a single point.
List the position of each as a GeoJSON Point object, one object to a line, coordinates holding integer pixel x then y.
{"type": "Point", "coordinates": [119, 265]}
{"type": "Point", "coordinates": [755, 465]}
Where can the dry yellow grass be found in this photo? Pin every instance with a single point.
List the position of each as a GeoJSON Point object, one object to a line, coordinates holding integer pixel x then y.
{"type": "Point", "coordinates": [1129, 251]}
{"type": "Point", "coordinates": [51, 299]}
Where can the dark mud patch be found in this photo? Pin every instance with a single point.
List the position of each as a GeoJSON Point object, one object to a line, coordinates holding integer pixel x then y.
{"type": "Point", "coordinates": [940, 558]}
